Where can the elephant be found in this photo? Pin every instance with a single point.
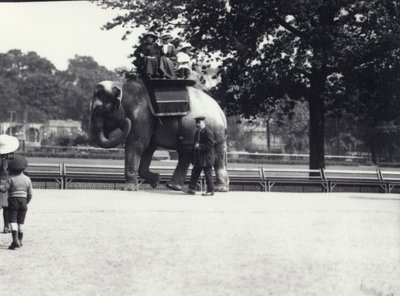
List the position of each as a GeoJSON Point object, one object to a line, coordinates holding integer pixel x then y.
{"type": "Point", "coordinates": [124, 115]}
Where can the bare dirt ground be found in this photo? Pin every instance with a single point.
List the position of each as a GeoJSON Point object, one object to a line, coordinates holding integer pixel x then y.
{"type": "Point", "coordinates": [238, 243]}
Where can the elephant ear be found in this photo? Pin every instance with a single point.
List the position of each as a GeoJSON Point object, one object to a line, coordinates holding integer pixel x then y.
{"type": "Point", "coordinates": [117, 95]}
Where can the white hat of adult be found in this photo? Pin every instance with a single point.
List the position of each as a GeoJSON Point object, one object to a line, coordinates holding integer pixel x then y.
{"type": "Point", "coordinates": [8, 144]}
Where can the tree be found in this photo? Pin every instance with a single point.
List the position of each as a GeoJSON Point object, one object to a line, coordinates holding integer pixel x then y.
{"type": "Point", "coordinates": [82, 74]}
{"type": "Point", "coordinates": [277, 48]}
{"type": "Point", "coordinates": [27, 82]}
{"type": "Point", "coordinates": [42, 95]}
{"type": "Point", "coordinates": [374, 100]}
{"type": "Point", "coordinates": [31, 83]}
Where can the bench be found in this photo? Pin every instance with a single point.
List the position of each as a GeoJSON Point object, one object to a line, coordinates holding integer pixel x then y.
{"type": "Point", "coordinates": [352, 178]}
{"type": "Point", "coordinates": [93, 173]}
{"type": "Point", "coordinates": [46, 173]}
{"type": "Point", "coordinates": [246, 176]}
{"type": "Point", "coordinates": [288, 176]}
{"type": "Point", "coordinates": [391, 179]}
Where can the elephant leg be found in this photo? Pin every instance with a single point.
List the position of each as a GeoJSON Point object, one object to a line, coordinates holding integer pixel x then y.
{"type": "Point", "coordinates": [178, 178]}
{"type": "Point", "coordinates": [221, 173]}
{"type": "Point", "coordinates": [144, 172]}
{"type": "Point", "coordinates": [132, 160]}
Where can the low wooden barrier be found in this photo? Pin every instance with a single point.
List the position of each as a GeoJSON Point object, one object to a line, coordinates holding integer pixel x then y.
{"type": "Point", "coordinates": [63, 175]}
{"type": "Point", "coordinates": [247, 177]}
{"type": "Point", "coordinates": [288, 176]}
{"type": "Point", "coordinates": [47, 175]}
{"type": "Point", "coordinates": [353, 178]}
{"type": "Point", "coordinates": [391, 179]}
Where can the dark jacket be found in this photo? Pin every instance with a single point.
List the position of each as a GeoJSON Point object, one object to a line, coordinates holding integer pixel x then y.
{"type": "Point", "coordinates": [204, 155]}
{"type": "Point", "coordinates": [148, 50]}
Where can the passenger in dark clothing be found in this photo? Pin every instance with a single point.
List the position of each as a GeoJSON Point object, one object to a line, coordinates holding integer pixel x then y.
{"type": "Point", "coordinates": [147, 56]}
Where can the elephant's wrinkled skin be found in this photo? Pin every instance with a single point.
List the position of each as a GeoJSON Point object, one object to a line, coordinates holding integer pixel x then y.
{"type": "Point", "coordinates": [114, 120]}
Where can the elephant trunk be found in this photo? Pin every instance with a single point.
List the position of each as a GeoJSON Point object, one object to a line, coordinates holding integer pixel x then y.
{"type": "Point", "coordinates": [109, 132]}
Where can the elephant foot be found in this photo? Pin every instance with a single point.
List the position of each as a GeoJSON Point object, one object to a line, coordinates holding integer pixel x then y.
{"type": "Point", "coordinates": [154, 183]}
{"type": "Point", "coordinates": [154, 180]}
{"type": "Point", "coordinates": [221, 189]}
{"type": "Point", "coordinates": [130, 187]}
{"type": "Point", "coordinates": [175, 187]}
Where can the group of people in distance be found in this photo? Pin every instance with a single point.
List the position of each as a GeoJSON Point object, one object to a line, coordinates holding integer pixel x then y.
{"type": "Point", "coordinates": [163, 60]}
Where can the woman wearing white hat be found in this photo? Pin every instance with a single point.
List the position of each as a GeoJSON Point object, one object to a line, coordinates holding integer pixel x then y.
{"type": "Point", "coordinates": [8, 145]}
{"type": "Point", "coordinates": [168, 57]}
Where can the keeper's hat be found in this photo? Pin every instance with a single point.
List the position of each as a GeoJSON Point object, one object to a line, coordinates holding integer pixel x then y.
{"type": "Point", "coordinates": [8, 144]}
{"type": "Point", "coordinates": [18, 163]}
{"type": "Point", "coordinates": [200, 118]}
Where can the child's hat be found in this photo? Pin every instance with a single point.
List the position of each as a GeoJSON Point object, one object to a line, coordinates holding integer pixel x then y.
{"type": "Point", "coordinates": [8, 144]}
{"type": "Point", "coordinates": [18, 162]}
{"type": "Point", "coordinates": [184, 45]}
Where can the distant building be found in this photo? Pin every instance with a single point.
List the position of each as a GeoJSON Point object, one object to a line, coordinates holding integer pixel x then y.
{"type": "Point", "coordinates": [34, 134]}
{"type": "Point", "coordinates": [53, 129]}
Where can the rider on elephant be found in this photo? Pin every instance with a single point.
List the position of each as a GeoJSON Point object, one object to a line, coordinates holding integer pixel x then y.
{"type": "Point", "coordinates": [168, 57]}
{"type": "Point", "coordinates": [148, 55]}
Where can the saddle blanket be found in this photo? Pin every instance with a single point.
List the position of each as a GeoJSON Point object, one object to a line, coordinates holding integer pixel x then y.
{"type": "Point", "coordinates": [169, 97]}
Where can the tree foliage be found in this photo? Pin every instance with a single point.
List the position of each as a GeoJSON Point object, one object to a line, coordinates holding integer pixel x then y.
{"type": "Point", "coordinates": [271, 49]}
{"type": "Point", "coordinates": [31, 84]}
{"type": "Point", "coordinates": [78, 80]}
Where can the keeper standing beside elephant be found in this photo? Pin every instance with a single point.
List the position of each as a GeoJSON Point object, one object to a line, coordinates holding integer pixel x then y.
{"type": "Point", "coordinates": [203, 157]}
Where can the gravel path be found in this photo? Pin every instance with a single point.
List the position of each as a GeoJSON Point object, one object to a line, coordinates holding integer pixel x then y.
{"type": "Point", "coordinates": [239, 243]}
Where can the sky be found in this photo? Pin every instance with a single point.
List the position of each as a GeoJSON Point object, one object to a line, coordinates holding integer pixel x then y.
{"type": "Point", "coordinates": [58, 31]}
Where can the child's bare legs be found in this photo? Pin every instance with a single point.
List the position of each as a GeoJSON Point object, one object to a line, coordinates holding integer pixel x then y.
{"type": "Point", "coordinates": [20, 233]}
{"type": "Point", "coordinates": [14, 232]}
{"type": "Point", "coordinates": [6, 220]}
{"type": "Point", "coordinates": [17, 219]}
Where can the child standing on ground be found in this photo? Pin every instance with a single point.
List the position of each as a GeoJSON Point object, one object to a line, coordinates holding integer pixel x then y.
{"type": "Point", "coordinates": [8, 144]}
{"type": "Point", "coordinates": [19, 187]}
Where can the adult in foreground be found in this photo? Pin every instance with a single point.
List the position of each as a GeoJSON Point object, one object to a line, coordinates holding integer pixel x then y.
{"type": "Point", "coordinates": [8, 144]}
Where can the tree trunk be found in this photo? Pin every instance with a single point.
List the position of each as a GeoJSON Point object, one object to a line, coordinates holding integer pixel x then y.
{"type": "Point", "coordinates": [268, 136]}
{"type": "Point", "coordinates": [317, 123]}
{"type": "Point", "coordinates": [374, 157]}
{"type": "Point", "coordinates": [337, 137]}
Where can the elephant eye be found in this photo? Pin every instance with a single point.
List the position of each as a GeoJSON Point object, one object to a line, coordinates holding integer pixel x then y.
{"type": "Point", "coordinates": [108, 105]}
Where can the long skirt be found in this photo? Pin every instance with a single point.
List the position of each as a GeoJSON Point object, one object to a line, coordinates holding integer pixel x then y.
{"type": "Point", "coordinates": [167, 68]}
{"type": "Point", "coordinates": [151, 67]}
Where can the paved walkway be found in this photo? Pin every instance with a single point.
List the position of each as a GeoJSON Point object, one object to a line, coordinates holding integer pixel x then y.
{"type": "Point", "coordinates": [238, 243]}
